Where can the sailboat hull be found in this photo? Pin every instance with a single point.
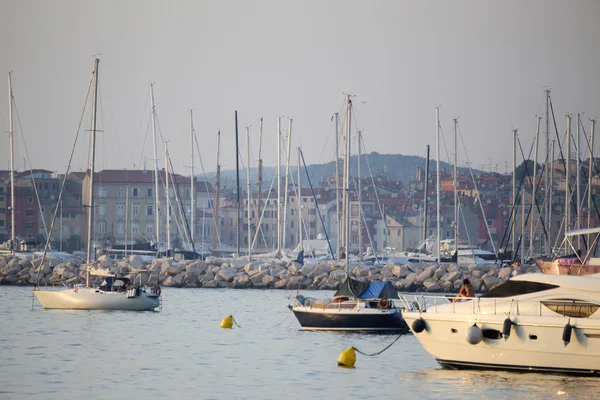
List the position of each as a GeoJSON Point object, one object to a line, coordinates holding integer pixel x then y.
{"type": "Point", "coordinates": [95, 299]}
{"type": "Point", "coordinates": [315, 319]}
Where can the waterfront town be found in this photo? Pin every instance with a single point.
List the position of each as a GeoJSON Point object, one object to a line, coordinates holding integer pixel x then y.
{"type": "Point", "coordinates": [393, 211]}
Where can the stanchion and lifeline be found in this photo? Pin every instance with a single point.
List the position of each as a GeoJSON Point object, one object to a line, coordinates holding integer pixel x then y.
{"type": "Point", "coordinates": [347, 358]}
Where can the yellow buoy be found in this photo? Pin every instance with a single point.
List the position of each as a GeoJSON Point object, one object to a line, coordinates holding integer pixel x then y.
{"type": "Point", "coordinates": [227, 322]}
{"type": "Point", "coordinates": [347, 358]}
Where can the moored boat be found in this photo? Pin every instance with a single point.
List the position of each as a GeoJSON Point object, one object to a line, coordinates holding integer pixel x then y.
{"type": "Point", "coordinates": [356, 306]}
{"type": "Point", "coordinates": [533, 322]}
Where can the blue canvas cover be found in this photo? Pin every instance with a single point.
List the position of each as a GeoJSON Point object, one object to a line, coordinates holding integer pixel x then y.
{"type": "Point", "coordinates": [379, 290]}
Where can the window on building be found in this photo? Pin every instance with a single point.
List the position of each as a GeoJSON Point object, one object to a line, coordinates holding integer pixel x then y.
{"type": "Point", "coordinates": [1, 189]}
{"type": "Point", "coordinates": [102, 192]}
{"type": "Point", "coordinates": [171, 192]}
{"type": "Point", "coordinates": [149, 192]}
{"type": "Point", "coordinates": [120, 209]}
{"type": "Point", "coordinates": [120, 228]}
{"type": "Point", "coordinates": [30, 199]}
{"type": "Point", "coordinates": [135, 192]}
{"type": "Point", "coordinates": [303, 199]}
{"type": "Point", "coordinates": [134, 227]}
{"type": "Point", "coordinates": [101, 209]}
{"type": "Point", "coordinates": [121, 192]}
{"type": "Point", "coordinates": [149, 228]}
{"type": "Point", "coordinates": [1, 222]}
{"type": "Point", "coordinates": [490, 222]}
{"type": "Point", "coordinates": [30, 212]}
{"type": "Point", "coordinates": [266, 227]}
{"type": "Point", "coordinates": [253, 214]}
{"type": "Point", "coordinates": [135, 210]}
{"type": "Point", "coordinates": [149, 210]}
{"type": "Point", "coordinates": [2, 197]}
{"type": "Point", "coordinates": [65, 230]}
{"type": "Point", "coordinates": [292, 211]}
{"type": "Point", "coordinates": [2, 210]}
{"type": "Point", "coordinates": [45, 185]}
{"type": "Point", "coordinates": [188, 193]}
{"type": "Point", "coordinates": [29, 225]}
{"type": "Point", "coordinates": [101, 227]}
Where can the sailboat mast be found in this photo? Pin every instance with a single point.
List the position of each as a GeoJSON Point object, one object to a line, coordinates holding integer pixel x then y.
{"type": "Point", "coordinates": [278, 186]}
{"type": "Point", "coordinates": [548, 208]}
{"type": "Point", "coordinates": [437, 149]}
{"type": "Point", "coordinates": [126, 218]}
{"type": "Point", "coordinates": [248, 190]}
{"type": "Point", "coordinates": [337, 185]}
{"type": "Point", "coordinates": [192, 183]}
{"type": "Point", "coordinates": [216, 196]}
{"type": "Point", "coordinates": [91, 169]}
{"type": "Point", "coordinates": [12, 164]}
{"type": "Point", "coordinates": [360, 238]}
{"type": "Point", "coordinates": [456, 223]}
{"type": "Point", "coordinates": [567, 184]}
{"type": "Point", "coordinates": [300, 205]}
{"type": "Point", "coordinates": [287, 172]}
{"type": "Point", "coordinates": [347, 199]}
{"type": "Point", "coordinates": [167, 201]}
{"type": "Point", "coordinates": [237, 174]}
{"type": "Point", "coordinates": [156, 198]}
{"type": "Point", "coordinates": [533, 189]}
{"type": "Point", "coordinates": [260, 170]}
{"type": "Point", "coordinates": [589, 207]}
{"type": "Point", "coordinates": [578, 216]}
{"type": "Point", "coordinates": [514, 190]}
{"type": "Point", "coordinates": [425, 197]}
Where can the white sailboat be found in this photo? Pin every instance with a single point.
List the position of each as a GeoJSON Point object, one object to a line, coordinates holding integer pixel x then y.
{"type": "Point", "coordinates": [108, 296]}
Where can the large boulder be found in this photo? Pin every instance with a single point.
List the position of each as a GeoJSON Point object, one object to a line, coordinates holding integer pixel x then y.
{"type": "Point", "coordinates": [361, 271]}
{"type": "Point", "coordinates": [227, 273]}
{"type": "Point", "coordinates": [241, 281]}
{"type": "Point", "coordinates": [307, 269]}
{"type": "Point", "coordinates": [490, 282]}
{"type": "Point", "coordinates": [175, 269]}
{"type": "Point", "coordinates": [258, 277]}
{"type": "Point", "coordinates": [400, 271]}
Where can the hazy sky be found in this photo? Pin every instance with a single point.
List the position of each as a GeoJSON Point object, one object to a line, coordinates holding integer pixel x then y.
{"type": "Point", "coordinates": [487, 62]}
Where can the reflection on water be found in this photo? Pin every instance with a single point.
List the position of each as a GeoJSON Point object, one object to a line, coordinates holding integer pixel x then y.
{"type": "Point", "coordinates": [182, 353]}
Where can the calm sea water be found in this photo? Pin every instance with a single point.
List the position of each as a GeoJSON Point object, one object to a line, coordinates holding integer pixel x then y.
{"type": "Point", "coordinates": [181, 353]}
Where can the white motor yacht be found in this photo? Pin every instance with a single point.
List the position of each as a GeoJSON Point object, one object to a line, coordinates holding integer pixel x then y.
{"type": "Point", "coordinates": [533, 322]}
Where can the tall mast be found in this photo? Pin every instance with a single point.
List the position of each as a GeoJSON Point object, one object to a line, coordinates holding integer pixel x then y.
{"type": "Point", "coordinates": [425, 197]}
{"type": "Point", "coordinates": [216, 196]}
{"type": "Point", "coordinates": [577, 214]}
{"type": "Point", "coordinates": [156, 198]}
{"type": "Point", "coordinates": [360, 244]}
{"type": "Point", "coordinates": [91, 169]}
{"type": "Point", "coordinates": [167, 201]}
{"type": "Point", "coordinates": [548, 208]}
{"type": "Point", "coordinates": [12, 164]}
{"type": "Point", "coordinates": [437, 149]}
{"type": "Point", "coordinates": [287, 171]}
{"type": "Point", "coordinates": [514, 191]}
{"type": "Point", "coordinates": [337, 185]}
{"type": "Point", "coordinates": [300, 205]}
{"type": "Point", "coordinates": [258, 207]}
{"type": "Point", "coordinates": [192, 184]}
{"type": "Point", "coordinates": [589, 207]}
{"type": "Point", "coordinates": [278, 186]}
{"type": "Point", "coordinates": [567, 184]}
{"type": "Point", "coordinates": [347, 198]}
{"type": "Point", "coordinates": [522, 223]}
{"type": "Point", "coordinates": [248, 190]}
{"type": "Point", "coordinates": [126, 218]}
{"type": "Point", "coordinates": [533, 190]}
{"type": "Point", "coordinates": [550, 195]}
{"type": "Point", "coordinates": [456, 223]}
{"type": "Point", "coordinates": [237, 174]}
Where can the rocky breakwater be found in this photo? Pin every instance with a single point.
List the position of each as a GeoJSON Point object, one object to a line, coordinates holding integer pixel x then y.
{"type": "Point", "coordinates": [259, 274]}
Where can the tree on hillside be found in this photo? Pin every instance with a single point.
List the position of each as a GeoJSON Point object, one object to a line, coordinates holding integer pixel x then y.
{"type": "Point", "coordinates": [526, 168]}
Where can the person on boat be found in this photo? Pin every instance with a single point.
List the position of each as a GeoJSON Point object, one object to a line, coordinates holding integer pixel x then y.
{"type": "Point", "coordinates": [466, 290]}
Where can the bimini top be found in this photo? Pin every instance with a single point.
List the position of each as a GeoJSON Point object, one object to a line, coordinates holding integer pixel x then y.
{"type": "Point", "coordinates": [365, 290]}
{"type": "Point", "coordinates": [585, 231]}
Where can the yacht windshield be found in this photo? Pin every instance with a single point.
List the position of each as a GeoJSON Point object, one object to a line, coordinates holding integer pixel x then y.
{"type": "Point", "coordinates": [515, 288]}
